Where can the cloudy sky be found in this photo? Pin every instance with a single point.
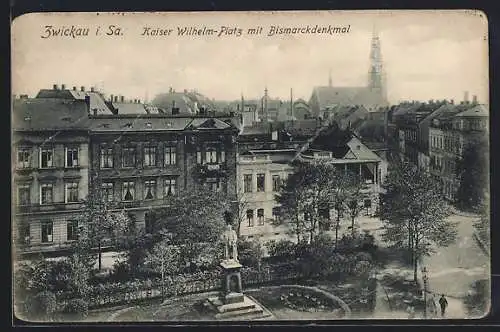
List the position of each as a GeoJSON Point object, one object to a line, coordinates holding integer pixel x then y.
{"type": "Point", "coordinates": [426, 54]}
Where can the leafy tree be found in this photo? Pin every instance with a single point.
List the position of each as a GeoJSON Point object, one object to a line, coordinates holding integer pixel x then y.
{"type": "Point", "coordinates": [164, 258]}
{"type": "Point", "coordinates": [311, 189]}
{"type": "Point", "coordinates": [194, 216]}
{"type": "Point", "coordinates": [250, 253]}
{"type": "Point", "coordinates": [414, 213]}
{"type": "Point", "coordinates": [100, 223]}
{"type": "Point", "coordinates": [473, 171]}
{"type": "Point", "coordinates": [281, 250]}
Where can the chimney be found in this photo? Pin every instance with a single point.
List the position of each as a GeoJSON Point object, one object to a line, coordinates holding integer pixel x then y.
{"type": "Point", "coordinates": [111, 98]}
{"type": "Point", "coordinates": [116, 99]}
{"type": "Point", "coordinates": [82, 89]}
{"type": "Point", "coordinates": [74, 88]}
{"type": "Point", "coordinates": [23, 97]}
{"type": "Point", "coordinates": [138, 101]}
{"type": "Point", "coordinates": [474, 99]}
{"type": "Point", "coordinates": [452, 101]}
{"type": "Point", "coordinates": [92, 89]}
{"type": "Point", "coordinates": [122, 98]}
{"type": "Point", "coordinates": [63, 86]}
{"type": "Point", "coordinates": [466, 97]}
{"type": "Point", "coordinates": [170, 90]}
{"type": "Point", "coordinates": [87, 101]}
{"type": "Point", "coordinates": [55, 87]}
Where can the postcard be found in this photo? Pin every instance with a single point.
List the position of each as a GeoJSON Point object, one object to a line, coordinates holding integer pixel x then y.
{"type": "Point", "coordinates": [250, 166]}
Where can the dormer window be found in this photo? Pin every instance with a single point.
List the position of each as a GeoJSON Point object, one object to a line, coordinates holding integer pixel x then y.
{"type": "Point", "coordinates": [148, 125]}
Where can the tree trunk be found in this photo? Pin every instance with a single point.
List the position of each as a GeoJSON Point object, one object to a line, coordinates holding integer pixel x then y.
{"type": "Point", "coordinates": [162, 281]}
{"type": "Point", "coordinates": [337, 232]}
{"type": "Point", "coordinates": [99, 251]}
{"type": "Point", "coordinates": [352, 226]}
{"type": "Point", "coordinates": [415, 260]}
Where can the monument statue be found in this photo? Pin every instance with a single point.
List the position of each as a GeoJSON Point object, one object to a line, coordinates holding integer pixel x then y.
{"type": "Point", "coordinates": [230, 239]}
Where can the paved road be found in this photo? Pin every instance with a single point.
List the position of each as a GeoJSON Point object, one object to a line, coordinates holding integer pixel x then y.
{"type": "Point", "coordinates": [452, 269]}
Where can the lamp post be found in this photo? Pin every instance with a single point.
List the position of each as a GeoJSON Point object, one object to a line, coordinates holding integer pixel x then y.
{"type": "Point", "coordinates": [425, 278]}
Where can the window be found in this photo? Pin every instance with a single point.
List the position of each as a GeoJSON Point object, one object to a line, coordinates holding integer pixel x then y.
{"type": "Point", "coordinates": [107, 191]}
{"type": "Point", "coordinates": [46, 193]}
{"type": "Point", "coordinates": [260, 216]}
{"type": "Point", "coordinates": [213, 184]}
{"type": "Point", "coordinates": [47, 228]}
{"type": "Point", "coordinates": [71, 192]}
{"type": "Point", "coordinates": [170, 155]}
{"type": "Point", "coordinates": [128, 158]}
{"type": "Point", "coordinates": [199, 157]}
{"type": "Point", "coordinates": [72, 230]}
{"type": "Point", "coordinates": [223, 156]}
{"type": "Point", "coordinates": [23, 158]}
{"type": "Point", "coordinates": [211, 156]}
{"type": "Point", "coordinates": [128, 191]}
{"type": "Point", "coordinates": [277, 214]}
{"type": "Point", "coordinates": [276, 183]}
{"type": "Point", "coordinates": [106, 157]}
{"type": "Point", "coordinates": [247, 183]}
{"type": "Point", "coordinates": [71, 157]}
{"type": "Point", "coordinates": [25, 234]}
{"type": "Point", "coordinates": [170, 187]}
{"type": "Point", "coordinates": [46, 157]}
{"type": "Point", "coordinates": [261, 181]}
{"type": "Point", "coordinates": [150, 189]}
{"type": "Point", "coordinates": [250, 218]}
{"type": "Point", "coordinates": [150, 156]}
{"type": "Point", "coordinates": [23, 194]}
{"type": "Point", "coordinates": [324, 212]}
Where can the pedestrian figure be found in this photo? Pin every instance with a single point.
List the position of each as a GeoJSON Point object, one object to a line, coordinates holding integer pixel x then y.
{"type": "Point", "coordinates": [432, 306]}
{"type": "Point", "coordinates": [443, 303]}
{"type": "Point", "coordinates": [411, 312]}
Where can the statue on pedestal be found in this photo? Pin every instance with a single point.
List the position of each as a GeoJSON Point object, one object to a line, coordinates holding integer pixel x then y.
{"type": "Point", "coordinates": [230, 239]}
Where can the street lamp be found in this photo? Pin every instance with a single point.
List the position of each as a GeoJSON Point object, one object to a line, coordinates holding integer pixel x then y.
{"type": "Point", "coordinates": [425, 278]}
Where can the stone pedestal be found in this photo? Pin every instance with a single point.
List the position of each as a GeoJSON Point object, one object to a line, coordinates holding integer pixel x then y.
{"type": "Point", "coordinates": [232, 304]}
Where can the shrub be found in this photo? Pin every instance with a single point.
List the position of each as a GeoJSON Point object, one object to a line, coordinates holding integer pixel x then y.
{"type": "Point", "coordinates": [41, 306]}
{"type": "Point", "coordinates": [78, 308]}
{"type": "Point", "coordinates": [120, 272]}
{"type": "Point", "coordinates": [282, 249]}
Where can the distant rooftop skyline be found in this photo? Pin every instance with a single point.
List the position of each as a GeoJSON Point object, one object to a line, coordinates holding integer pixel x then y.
{"type": "Point", "coordinates": [426, 55]}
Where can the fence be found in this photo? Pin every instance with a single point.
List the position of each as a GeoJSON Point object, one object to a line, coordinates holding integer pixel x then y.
{"type": "Point", "coordinates": [113, 294]}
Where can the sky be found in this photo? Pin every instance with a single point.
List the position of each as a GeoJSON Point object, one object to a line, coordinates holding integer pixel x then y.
{"type": "Point", "coordinates": [426, 54]}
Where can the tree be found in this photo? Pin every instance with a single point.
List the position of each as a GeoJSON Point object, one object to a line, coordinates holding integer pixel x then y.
{"type": "Point", "coordinates": [472, 170]}
{"type": "Point", "coordinates": [309, 191]}
{"type": "Point", "coordinates": [100, 223]}
{"type": "Point", "coordinates": [482, 228]}
{"type": "Point", "coordinates": [414, 213]}
{"type": "Point", "coordinates": [250, 253]}
{"type": "Point", "coordinates": [164, 258]}
{"type": "Point", "coordinates": [194, 216]}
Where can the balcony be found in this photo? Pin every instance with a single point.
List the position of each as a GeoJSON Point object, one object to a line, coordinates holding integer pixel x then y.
{"type": "Point", "coordinates": [54, 207]}
{"type": "Point", "coordinates": [210, 170]}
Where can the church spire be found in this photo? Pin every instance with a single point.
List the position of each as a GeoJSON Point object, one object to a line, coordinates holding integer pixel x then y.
{"type": "Point", "coordinates": [376, 79]}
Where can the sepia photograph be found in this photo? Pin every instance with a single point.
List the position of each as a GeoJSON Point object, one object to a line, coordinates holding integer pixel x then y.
{"type": "Point", "coordinates": [250, 166]}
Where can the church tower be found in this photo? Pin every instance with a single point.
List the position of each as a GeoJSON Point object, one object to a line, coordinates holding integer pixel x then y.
{"type": "Point", "coordinates": [376, 75]}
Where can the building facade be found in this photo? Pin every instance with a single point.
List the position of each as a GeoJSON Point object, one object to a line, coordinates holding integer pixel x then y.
{"type": "Point", "coordinates": [64, 148]}
{"type": "Point", "coordinates": [260, 176]}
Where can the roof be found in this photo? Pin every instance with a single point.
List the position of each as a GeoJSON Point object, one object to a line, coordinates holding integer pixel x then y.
{"type": "Point", "coordinates": [117, 123]}
{"type": "Point", "coordinates": [328, 96]}
{"type": "Point", "coordinates": [97, 101]}
{"type": "Point", "coordinates": [256, 129]}
{"type": "Point", "coordinates": [210, 123]}
{"type": "Point", "coordinates": [361, 151]}
{"type": "Point", "coordinates": [130, 108]}
{"type": "Point", "coordinates": [187, 102]}
{"type": "Point", "coordinates": [49, 114]}
{"type": "Point", "coordinates": [479, 110]}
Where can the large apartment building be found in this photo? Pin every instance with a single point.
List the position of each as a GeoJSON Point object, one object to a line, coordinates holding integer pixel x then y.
{"type": "Point", "coordinates": [68, 142]}
{"type": "Point", "coordinates": [449, 135]}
